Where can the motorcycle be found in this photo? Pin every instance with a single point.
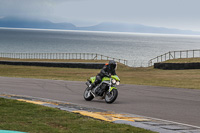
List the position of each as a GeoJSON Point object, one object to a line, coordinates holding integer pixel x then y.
{"type": "Point", "coordinates": [105, 90]}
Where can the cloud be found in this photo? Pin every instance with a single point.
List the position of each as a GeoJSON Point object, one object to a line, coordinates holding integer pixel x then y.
{"type": "Point", "coordinates": [53, 10]}
{"type": "Point", "coordinates": [29, 8]}
{"type": "Point", "coordinates": [169, 13]}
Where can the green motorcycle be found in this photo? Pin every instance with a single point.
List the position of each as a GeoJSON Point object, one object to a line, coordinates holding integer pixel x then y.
{"type": "Point", "coordinates": [105, 90]}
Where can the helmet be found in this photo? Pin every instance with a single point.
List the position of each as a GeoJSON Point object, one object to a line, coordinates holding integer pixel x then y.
{"type": "Point", "coordinates": [112, 65]}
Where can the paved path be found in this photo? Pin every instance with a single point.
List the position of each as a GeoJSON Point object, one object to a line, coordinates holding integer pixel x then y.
{"type": "Point", "coordinates": [174, 104]}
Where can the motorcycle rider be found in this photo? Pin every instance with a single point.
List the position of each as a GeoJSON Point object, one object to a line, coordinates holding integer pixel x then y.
{"type": "Point", "coordinates": [107, 70]}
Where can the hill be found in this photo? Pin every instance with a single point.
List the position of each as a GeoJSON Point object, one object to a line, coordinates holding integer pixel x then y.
{"type": "Point", "coordinates": [137, 28]}
{"type": "Point", "coordinates": [14, 22]}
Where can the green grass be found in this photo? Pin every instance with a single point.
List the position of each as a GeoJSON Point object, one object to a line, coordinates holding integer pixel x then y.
{"type": "Point", "coordinates": [184, 60]}
{"type": "Point", "coordinates": [27, 117]}
{"type": "Point", "coordinates": [139, 76]}
{"type": "Point", "coordinates": [168, 78]}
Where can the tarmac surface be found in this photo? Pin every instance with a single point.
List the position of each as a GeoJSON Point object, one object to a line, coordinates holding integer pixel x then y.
{"type": "Point", "coordinates": [173, 104]}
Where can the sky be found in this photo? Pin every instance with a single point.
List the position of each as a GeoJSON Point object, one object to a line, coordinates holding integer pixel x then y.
{"type": "Point", "coordinates": [179, 14]}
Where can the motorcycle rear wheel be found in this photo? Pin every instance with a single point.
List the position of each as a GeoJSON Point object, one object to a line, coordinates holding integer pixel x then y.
{"type": "Point", "coordinates": [87, 95]}
{"type": "Point", "coordinates": [111, 96]}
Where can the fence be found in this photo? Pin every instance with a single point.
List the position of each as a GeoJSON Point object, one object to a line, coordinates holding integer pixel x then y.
{"type": "Point", "coordinates": [81, 56]}
{"type": "Point", "coordinates": [175, 55]}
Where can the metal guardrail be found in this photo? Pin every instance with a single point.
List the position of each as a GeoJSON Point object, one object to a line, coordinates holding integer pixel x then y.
{"type": "Point", "coordinates": [81, 56]}
{"type": "Point", "coordinates": [175, 55]}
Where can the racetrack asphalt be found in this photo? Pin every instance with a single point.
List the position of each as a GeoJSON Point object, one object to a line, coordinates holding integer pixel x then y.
{"type": "Point", "coordinates": [173, 104]}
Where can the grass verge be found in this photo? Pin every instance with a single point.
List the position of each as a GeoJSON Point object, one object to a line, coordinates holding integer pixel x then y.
{"type": "Point", "coordinates": [184, 60]}
{"type": "Point", "coordinates": [27, 117]}
{"type": "Point", "coordinates": [139, 76]}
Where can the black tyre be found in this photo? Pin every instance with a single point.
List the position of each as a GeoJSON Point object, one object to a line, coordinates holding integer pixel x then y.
{"type": "Point", "coordinates": [87, 95]}
{"type": "Point", "coordinates": [111, 96]}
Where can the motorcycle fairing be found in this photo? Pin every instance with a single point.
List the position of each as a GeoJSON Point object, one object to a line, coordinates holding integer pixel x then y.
{"type": "Point", "coordinates": [115, 77]}
{"type": "Point", "coordinates": [92, 79]}
{"type": "Point", "coordinates": [111, 88]}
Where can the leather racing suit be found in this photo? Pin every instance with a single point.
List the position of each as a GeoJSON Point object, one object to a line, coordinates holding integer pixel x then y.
{"type": "Point", "coordinates": [107, 70]}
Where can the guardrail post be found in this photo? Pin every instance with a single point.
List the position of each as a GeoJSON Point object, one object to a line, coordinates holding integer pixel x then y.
{"type": "Point", "coordinates": [95, 57]}
{"type": "Point", "coordinates": [174, 54]}
{"type": "Point", "coordinates": [157, 58]}
{"type": "Point", "coordinates": [193, 53]}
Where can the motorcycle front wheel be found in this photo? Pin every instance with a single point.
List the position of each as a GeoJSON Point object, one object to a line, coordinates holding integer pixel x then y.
{"type": "Point", "coordinates": [87, 95]}
{"type": "Point", "coordinates": [111, 96]}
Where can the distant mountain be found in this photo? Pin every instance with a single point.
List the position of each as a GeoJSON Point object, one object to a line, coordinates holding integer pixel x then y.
{"type": "Point", "coordinates": [137, 28]}
{"type": "Point", "coordinates": [14, 22]}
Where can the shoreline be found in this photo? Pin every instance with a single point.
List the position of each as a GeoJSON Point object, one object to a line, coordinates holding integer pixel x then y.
{"type": "Point", "coordinates": [103, 32]}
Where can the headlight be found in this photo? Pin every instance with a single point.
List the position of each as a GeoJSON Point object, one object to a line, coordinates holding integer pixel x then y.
{"type": "Point", "coordinates": [113, 81]}
{"type": "Point", "coordinates": [117, 83]}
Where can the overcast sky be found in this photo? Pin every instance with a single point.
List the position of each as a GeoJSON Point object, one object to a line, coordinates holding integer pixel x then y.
{"type": "Point", "coordinates": [181, 14]}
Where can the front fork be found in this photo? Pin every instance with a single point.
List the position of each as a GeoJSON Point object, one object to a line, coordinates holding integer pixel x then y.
{"type": "Point", "coordinates": [111, 88]}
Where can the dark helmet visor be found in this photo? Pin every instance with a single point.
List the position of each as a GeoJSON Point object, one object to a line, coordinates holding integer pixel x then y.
{"type": "Point", "coordinates": [112, 66]}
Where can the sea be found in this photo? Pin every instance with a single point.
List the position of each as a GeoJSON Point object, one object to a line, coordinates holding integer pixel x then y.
{"type": "Point", "coordinates": [137, 48]}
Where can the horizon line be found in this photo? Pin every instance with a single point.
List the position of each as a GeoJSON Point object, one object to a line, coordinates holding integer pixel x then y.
{"type": "Point", "coordinates": [106, 32]}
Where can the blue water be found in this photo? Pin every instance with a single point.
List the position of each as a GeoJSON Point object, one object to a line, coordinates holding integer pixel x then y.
{"type": "Point", "coordinates": [130, 46]}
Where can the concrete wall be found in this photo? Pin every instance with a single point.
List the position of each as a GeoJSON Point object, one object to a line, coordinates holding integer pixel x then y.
{"type": "Point", "coordinates": [177, 66]}
{"type": "Point", "coordinates": [56, 64]}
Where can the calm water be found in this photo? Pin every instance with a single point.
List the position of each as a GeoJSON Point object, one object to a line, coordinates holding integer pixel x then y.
{"type": "Point", "coordinates": [133, 47]}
